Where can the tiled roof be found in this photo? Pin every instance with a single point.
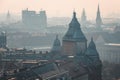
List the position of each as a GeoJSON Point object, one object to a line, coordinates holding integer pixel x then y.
{"type": "Point", "coordinates": [74, 32]}
{"type": "Point", "coordinates": [75, 69]}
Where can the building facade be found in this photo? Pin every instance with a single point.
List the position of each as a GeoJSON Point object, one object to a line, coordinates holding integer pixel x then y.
{"type": "Point", "coordinates": [31, 18]}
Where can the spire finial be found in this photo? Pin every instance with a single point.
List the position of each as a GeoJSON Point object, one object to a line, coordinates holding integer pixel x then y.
{"type": "Point", "coordinates": [74, 13]}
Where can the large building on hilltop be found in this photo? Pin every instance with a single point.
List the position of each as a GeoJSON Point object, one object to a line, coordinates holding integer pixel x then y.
{"type": "Point", "coordinates": [31, 18]}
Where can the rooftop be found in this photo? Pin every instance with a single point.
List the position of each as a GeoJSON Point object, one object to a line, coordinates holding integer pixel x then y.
{"type": "Point", "coordinates": [112, 44]}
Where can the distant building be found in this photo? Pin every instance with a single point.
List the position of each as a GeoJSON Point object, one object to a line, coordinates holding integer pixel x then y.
{"type": "Point", "coordinates": [109, 47]}
{"type": "Point", "coordinates": [8, 17]}
{"type": "Point", "coordinates": [110, 52]}
{"type": "Point", "coordinates": [3, 40]}
{"type": "Point", "coordinates": [56, 46]}
{"type": "Point", "coordinates": [83, 18]}
{"type": "Point", "coordinates": [98, 19]}
{"type": "Point", "coordinates": [31, 18]}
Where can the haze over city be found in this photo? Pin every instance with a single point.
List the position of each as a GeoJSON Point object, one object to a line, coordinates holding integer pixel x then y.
{"type": "Point", "coordinates": [59, 39]}
{"type": "Point", "coordinates": [62, 8]}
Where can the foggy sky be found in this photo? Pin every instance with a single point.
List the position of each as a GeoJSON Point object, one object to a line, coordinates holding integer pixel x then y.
{"type": "Point", "coordinates": [62, 7]}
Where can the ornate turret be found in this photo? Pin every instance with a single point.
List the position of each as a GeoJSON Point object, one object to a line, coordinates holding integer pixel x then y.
{"type": "Point", "coordinates": [92, 51]}
{"type": "Point", "coordinates": [74, 40]}
{"type": "Point", "coordinates": [56, 45]}
{"type": "Point", "coordinates": [98, 18]}
{"type": "Point", "coordinates": [96, 66]}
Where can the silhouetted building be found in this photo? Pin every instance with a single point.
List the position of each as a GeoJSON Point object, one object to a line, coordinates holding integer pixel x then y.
{"type": "Point", "coordinates": [75, 46]}
{"type": "Point", "coordinates": [96, 65]}
{"type": "Point", "coordinates": [83, 18]}
{"type": "Point", "coordinates": [98, 19]}
{"type": "Point", "coordinates": [74, 40]}
{"type": "Point", "coordinates": [8, 17]}
{"type": "Point", "coordinates": [31, 18]}
{"type": "Point", "coordinates": [56, 45]}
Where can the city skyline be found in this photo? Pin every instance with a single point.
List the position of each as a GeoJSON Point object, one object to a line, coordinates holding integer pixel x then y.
{"type": "Point", "coordinates": [54, 8]}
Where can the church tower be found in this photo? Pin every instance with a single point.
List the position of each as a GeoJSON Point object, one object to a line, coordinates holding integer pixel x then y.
{"type": "Point", "coordinates": [98, 18]}
{"type": "Point", "coordinates": [56, 46]}
{"type": "Point", "coordinates": [83, 17]}
{"type": "Point", "coordinates": [8, 17]}
{"type": "Point", "coordinates": [74, 40]}
{"type": "Point", "coordinates": [96, 66]}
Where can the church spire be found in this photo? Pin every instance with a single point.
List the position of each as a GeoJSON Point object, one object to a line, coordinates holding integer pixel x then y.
{"type": "Point", "coordinates": [74, 22]}
{"type": "Point", "coordinates": [8, 15]}
{"type": "Point", "coordinates": [57, 41]}
{"type": "Point", "coordinates": [74, 14]}
{"type": "Point", "coordinates": [83, 16]}
{"type": "Point", "coordinates": [56, 45]}
{"type": "Point", "coordinates": [74, 32]}
{"type": "Point", "coordinates": [98, 18]}
{"type": "Point", "coordinates": [74, 36]}
{"type": "Point", "coordinates": [92, 51]}
{"type": "Point", "coordinates": [98, 8]}
{"type": "Point", "coordinates": [92, 44]}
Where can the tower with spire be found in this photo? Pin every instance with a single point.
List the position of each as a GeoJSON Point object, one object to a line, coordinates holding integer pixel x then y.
{"type": "Point", "coordinates": [92, 51]}
{"type": "Point", "coordinates": [74, 44]}
{"type": "Point", "coordinates": [56, 46]}
{"type": "Point", "coordinates": [74, 40]}
{"type": "Point", "coordinates": [96, 66]}
{"type": "Point", "coordinates": [8, 16]}
{"type": "Point", "coordinates": [83, 17]}
{"type": "Point", "coordinates": [98, 18]}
